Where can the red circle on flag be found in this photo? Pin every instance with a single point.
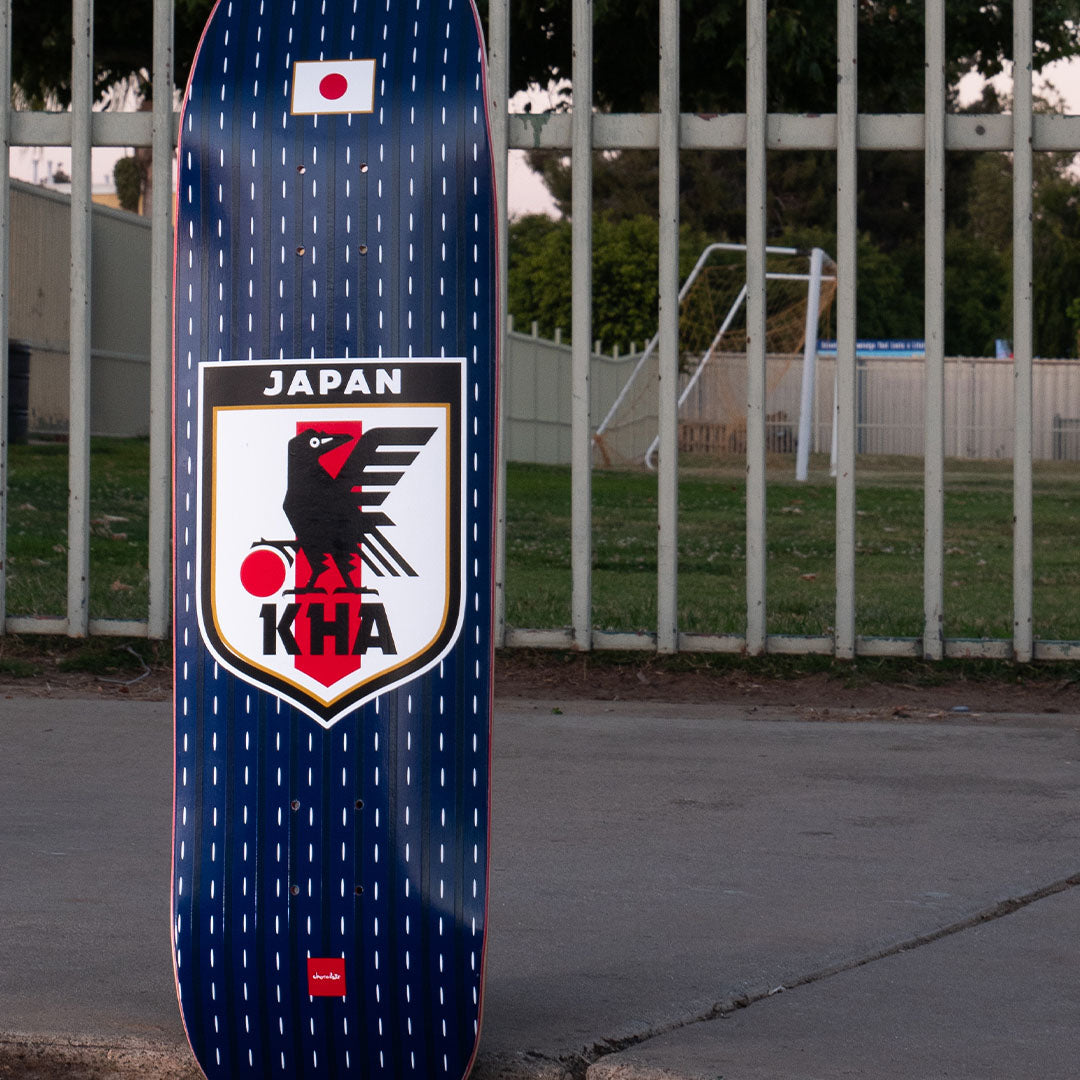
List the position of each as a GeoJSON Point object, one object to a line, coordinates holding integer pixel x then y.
{"type": "Point", "coordinates": [262, 573]}
{"type": "Point", "coordinates": [333, 86]}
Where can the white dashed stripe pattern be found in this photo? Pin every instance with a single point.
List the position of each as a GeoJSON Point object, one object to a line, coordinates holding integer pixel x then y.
{"type": "Point", "coordinates": [306, 237]}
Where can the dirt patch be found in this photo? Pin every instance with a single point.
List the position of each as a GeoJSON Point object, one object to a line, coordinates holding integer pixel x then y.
{"type": "Point", "coordinates": [897, 690]}
{"type": "Point", "coordinates": [156, 687]}
{"type": "Point", "coordinates": [818, 688]}
{"type": "Point", "coordinates": [88, 1059]}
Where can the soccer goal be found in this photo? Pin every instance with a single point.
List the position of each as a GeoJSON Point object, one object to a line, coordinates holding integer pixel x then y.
{"type": "Point", "coordinates": [800, 289]}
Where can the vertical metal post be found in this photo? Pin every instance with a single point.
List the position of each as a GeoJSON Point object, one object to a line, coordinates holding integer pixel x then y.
{"type": "Point", "coordinates": [82, 100]}
{"type": "Point", "coordinates": [499, 100]}
{"type": "Point", "coordinates": [5, 292]}
{"type": "Point", "coordinates": [667, 588]}
{"type": "Point", "coordinates": [809, 370]}
{"type": "Point", "coordinates": [581, 352]}
{"type": "Point", "coordinates": [1023, 273]}
{"type": "Point", "coordinates": [755, 324]}
{"type": "Point", "coordinates": [934, 332]}
{"type": "Point", "coordinates": [846, 234]}
{"type": "Point", "coordinates": [161, 320]}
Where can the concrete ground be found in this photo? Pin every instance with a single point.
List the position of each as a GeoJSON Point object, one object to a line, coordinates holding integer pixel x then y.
{"type": "Point", "coordinates": [695, 892]}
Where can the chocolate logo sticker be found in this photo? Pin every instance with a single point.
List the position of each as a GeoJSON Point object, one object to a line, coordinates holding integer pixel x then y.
{"type": "Point", "coordinates": [330, 552]}
{"type": "Point", "coordinates": [326, 976]}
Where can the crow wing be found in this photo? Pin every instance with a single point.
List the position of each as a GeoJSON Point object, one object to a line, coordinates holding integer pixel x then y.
{"type": "Point", "coordinates": [378, 461]}
{"type": "Point", "coordinates": [380, 458]}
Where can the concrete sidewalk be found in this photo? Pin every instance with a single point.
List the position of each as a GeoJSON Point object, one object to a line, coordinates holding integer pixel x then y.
{"type": "Point", "coordinates": [676, 891]}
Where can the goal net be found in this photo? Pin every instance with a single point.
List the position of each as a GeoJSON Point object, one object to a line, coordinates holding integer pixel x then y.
{"type": "Point", "coordinates": [799, 295]}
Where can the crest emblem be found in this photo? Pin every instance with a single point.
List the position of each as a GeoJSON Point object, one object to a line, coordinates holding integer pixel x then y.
{"type": "Point", "coordinates": [330, 553]}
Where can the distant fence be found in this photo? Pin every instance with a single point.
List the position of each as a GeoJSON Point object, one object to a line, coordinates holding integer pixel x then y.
{"type": "Point", "coordinates": [979, 408]}
{"type": "Point", "coordinates": [537, 372]}
{"type": "Point", "coordinates": [889, 405]}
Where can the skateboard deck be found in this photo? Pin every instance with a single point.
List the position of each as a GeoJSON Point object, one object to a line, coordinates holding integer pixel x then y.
{"type": "Point", "coordinates": [334, 400]}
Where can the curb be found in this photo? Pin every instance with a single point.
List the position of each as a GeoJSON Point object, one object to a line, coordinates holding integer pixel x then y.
{"type": "Point", "coordinates": [89, 1057]}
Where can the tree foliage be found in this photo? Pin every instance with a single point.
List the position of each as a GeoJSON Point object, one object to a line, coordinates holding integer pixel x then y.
{"type": "Point", "coordinates": [801, 45]}
{"type": "Point", "coordinates": [129, 175]}
{"type": "Point", "coordinates": [801, 48]}
{"type": "Point", "coordinates": [123, 45]}
{"type": "Point", "coordinates": [626, 256]}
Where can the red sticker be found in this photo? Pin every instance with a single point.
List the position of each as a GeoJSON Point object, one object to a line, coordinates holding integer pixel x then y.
{"type": "Point", "coordinates": [326, 976]}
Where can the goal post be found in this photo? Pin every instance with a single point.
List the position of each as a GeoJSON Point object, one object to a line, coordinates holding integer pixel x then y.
{"type": "Point", "coordinates": [809, 370]}
{"type": "Point", "coordinates": [800, 286]}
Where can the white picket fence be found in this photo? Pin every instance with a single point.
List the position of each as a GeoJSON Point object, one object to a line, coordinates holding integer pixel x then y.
{"type": "Point", "coordinates": [580, 132]}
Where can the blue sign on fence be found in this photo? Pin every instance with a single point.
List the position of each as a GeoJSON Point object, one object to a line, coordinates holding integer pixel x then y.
{"type": "Point", "coordinates": [876, 348]}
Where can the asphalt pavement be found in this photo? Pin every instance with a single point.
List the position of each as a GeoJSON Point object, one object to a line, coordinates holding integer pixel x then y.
{"type": "Point", "coordinates": [676, 893]}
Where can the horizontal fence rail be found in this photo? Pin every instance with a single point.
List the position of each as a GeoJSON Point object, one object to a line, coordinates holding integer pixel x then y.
{"type": "Point", "coordinates": [580, 132]}
{"type": "Point", "coordinates": [790, 131]}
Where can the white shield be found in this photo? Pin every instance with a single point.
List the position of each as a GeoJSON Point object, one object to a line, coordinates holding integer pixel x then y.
{"type": "Point", "coordinates": [331, 545]}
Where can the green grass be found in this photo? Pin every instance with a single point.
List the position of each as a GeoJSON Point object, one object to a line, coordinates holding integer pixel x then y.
{"type": "Point", "coordinates": [37, 529]}
{"type": "Point", "coordinates": [801, 523]}
{"type": "Point", "coordinates": [712, 542]}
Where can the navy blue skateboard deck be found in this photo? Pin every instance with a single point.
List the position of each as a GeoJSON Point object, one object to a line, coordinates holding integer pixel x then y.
{"type": "Point", "coordinates": [334, 398]}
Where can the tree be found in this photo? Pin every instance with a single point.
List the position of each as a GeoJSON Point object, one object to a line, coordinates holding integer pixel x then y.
{"type": "Point", "coordinates": [801, 188]}
{"type": "Point", "coordinates": [1057, 261]}
{"type": "Point", "coordinates": [129, 175]}
{"type": "Point", "coordinates": [123, 34]}
{"type": "Point", "coordinates": [979, 249]}
{"type": "Point", "coordinates": [626, 256]}
{"type": "Point", "coordinates": [801, 49]}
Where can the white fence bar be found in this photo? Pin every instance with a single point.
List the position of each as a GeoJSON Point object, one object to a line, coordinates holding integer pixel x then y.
{"type": "Point", "coordinates": [161, 248]}
{"type": "Point", "coordinates": [756, 196]}
{"type": "Point", "coordinates": [1023, 298]}
{"type": "Point", "coordinates": [36, 624]}
{"type": "Point", "coordinates": [498, 99]}
{"type": "Point", "coordinates": [667, 555]}
{"type": "Point", "coordinates": [581, 274]}
{"type": "Point", "coordinates": [5, 291]}
{"type": "Point", "coordinates": [846, 234]}
{"type": "Point", "coordinates": [934, 333]}
{"type": "Point", "coordinates": [82, 101]}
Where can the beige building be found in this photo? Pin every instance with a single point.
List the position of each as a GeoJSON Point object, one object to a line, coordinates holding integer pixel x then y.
{"type": "Point", "coordinates": [120, 319]}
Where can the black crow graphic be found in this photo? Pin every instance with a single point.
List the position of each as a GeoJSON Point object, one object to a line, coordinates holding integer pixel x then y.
{"type": "Point", "coordinates": [334, 520]}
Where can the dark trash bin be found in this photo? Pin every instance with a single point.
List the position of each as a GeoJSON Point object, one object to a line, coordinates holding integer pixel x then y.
{"type": "Point", "coordinates": [18, 392]}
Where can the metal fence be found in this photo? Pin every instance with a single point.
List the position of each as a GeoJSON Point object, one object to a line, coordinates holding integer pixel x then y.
{"type": "Point", "coordinates": [580, 132]}
{"type": "Point", "coordinates": [847, 132]}
{"type": "Point", "coordinates": [81, 129]}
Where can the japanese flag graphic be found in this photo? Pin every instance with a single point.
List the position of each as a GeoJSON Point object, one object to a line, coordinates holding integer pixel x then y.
{"type": "Point", "coordinates": [333, 86]}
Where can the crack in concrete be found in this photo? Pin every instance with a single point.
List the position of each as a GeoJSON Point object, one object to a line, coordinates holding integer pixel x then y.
{"type": "Point", "coordinates": [32, 1053]}
{"type": "Point", "coordinates": [577, 1065]}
